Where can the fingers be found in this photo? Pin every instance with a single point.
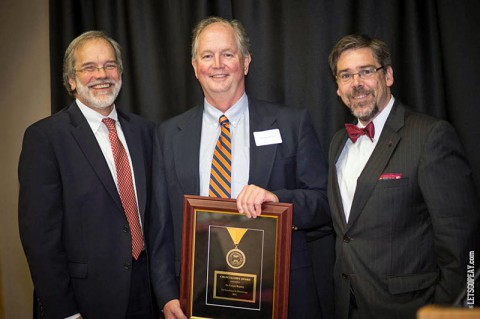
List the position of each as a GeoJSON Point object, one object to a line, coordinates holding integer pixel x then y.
{"type": "Point", "coordinates": [172, 310]}
{"type": "Point", "coordinates": [251, 198]}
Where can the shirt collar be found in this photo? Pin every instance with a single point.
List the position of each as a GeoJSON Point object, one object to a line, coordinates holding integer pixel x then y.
{"type": "Point", "coordinates": [94, 118]}
{"type": "Point", "coordinates": [234, 113]}
{"type": "Point", "coordinates": [381, 119]}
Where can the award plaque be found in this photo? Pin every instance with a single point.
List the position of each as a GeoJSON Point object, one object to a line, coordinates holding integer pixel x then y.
{"type": "Point", "coordinates": [234, 266]}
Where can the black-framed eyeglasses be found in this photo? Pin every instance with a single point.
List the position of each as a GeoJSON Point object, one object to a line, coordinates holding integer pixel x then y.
{"type": "Point", "coordinates": [364, 73]}
{"type": "Point", "coordinates": [90, 69]}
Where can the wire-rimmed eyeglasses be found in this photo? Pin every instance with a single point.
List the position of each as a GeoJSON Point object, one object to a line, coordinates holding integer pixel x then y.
{"type": "Point", "coordinates": [364, 73]}
{"type": "Point", "coordinates": [90, 68]}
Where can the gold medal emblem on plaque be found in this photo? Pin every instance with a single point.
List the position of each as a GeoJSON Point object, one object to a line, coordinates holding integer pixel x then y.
{"type": "Point", "coordinates": [235, 257]}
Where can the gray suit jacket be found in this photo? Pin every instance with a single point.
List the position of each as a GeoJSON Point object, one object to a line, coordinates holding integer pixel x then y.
{"type": "Point", "coordinates": [407, 239]}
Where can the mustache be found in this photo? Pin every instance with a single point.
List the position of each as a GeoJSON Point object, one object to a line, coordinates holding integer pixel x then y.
{"type": "Point", "coordinates": [360, 90]}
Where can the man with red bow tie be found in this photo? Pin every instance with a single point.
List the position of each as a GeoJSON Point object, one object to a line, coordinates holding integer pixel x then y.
{"type": "Point", "coordinates": [401, 194]}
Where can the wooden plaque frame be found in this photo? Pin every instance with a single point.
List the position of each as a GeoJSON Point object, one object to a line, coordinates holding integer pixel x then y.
{"type": "Point", "coordinates": [271, 231]}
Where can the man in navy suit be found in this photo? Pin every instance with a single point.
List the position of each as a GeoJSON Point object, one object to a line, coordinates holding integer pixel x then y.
{"type": "Point", "coordinates": [401, 193]}
{"type": "Point", "coordinates": [276, 157]}
{"type": "Point", "coordinates": [73, 225]}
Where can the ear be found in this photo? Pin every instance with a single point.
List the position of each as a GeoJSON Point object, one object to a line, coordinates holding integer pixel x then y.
{"type": "Point", "coordinates": [246, 64]}
{"type": "Point", "coordinates": [72, 83]}
{"type": "Point", "coordinates": [389, 76]}
{"type": "Point", "coordinates": [194, 64]}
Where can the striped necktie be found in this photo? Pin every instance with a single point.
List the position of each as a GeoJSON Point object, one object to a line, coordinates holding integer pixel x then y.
{"type": "Point", "coordinates": [220, 176]}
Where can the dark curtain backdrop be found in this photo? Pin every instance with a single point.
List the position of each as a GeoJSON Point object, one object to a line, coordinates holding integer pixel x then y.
{"type": "Point", "coordinates": [435, 49]}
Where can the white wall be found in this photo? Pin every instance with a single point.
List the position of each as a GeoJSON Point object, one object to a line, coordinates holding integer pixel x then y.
{"type": "Point", "coordinates": [24, 98]}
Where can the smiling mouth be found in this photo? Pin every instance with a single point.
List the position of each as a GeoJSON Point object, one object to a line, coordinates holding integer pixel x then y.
{"type": "Point", "coordinates": [101, 86]}
{"type": "Point", "coordinates": [360, 96]}
{"type": "Point", "coordinates": [218, 76]}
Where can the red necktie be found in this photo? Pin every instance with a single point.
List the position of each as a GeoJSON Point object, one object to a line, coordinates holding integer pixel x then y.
{"type": "Point", "coordinates": [354, 132]}
{"type": "Point", "coordinates": [220, 176]}
{"type": "Point", "coordinates": [125, 187]}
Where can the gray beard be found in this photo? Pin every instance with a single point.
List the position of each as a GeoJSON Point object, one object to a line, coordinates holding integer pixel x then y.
{"type": "Point", "coordinates": [369, 116]}
{"type": "Point", "coordinates": [95, 102]}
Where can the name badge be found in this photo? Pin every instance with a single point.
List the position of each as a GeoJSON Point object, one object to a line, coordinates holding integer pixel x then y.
{"type": "Point", "coordinates": [268, 137]}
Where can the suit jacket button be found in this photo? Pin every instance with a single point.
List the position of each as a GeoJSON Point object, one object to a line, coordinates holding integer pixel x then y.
{"type": "Point", "coordinates": [126, 229]}
{"type": "Point", "coordinates": [294, 228]}
{"type": "Point", "coordinates": [344, 276]}
{"type": "Point", "coordinates": [346, 239]}
{"type": "Point", "coordinates": [127, 265]}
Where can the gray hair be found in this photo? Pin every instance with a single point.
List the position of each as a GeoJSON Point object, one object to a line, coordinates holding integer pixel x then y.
{"type": "Point", "coordinates": [69, 58]}
{"type": "Point", "coordinates": [380, 50]}
{"type": "Point", "coordinates": [242, 38]}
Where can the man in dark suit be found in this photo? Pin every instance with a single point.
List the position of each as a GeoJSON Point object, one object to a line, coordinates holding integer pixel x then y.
{"type": "Point", "coordinates": [82, 203]}
{"type": "Point", "coordinates": [401, 194]}
{"type": "Point", "coordinates": [276, 157]}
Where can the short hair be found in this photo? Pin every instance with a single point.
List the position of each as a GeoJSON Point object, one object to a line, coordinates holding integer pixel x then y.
{"type": "Point", "coordinates": [380, 49]}
{"type": "Point", "coordinates": [243, 41]}
{"type": "Point", "coordinates": [69, 58]}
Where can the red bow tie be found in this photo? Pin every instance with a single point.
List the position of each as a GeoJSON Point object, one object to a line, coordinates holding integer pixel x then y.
{"type": "Point", "coordinates": [354, 132]}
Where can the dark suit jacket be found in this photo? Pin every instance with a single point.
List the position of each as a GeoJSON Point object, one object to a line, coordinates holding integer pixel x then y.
{"type": "Point", "coordinates": [406, 240]}
{"type": "Point", "coordinates": [294, 170]}
{"type": "Point", "coordinates": [72, 224]}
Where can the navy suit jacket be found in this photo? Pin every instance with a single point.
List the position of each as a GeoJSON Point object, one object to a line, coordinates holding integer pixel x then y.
{"type": "Point", "coordinates": [294, 170]}
{"type": "Point", "coordinates": [407, 240]}
{"type": "Point", "coordinates": [72, 224]}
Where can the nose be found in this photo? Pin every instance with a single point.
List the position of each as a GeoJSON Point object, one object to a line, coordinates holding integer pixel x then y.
{"type": "Point", "coordinates": [355, 79]}
{"type": "Point", "coordinates": [217, 61]}
{"type": "Point", "coordinates": [100, 72]}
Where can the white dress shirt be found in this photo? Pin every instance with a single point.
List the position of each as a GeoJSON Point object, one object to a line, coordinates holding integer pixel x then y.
{"type": "Point", "coordinates": [354, 157]}
{"type": "Point", "coordinates": [238, 117]}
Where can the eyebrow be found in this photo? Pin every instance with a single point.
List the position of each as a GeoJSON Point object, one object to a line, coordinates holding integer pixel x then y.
{"type": "Point", "coordinates": [93, 63]}
{"type": "Point", "coordinates": [360, 67]}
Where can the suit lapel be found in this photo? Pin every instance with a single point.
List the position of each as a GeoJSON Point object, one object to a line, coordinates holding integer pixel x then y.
{"type": "Point", "coordinates": [186, 152]}
{"type": "Point", "coordinates": [368, 179]}
{"type": "Point", "coordinates": [261, 157]}
{"type": "Point", "coordinates": [87, 142]}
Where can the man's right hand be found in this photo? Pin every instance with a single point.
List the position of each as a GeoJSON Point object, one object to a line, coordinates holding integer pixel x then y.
{"type": "Point", "coordinates": [172, 310]}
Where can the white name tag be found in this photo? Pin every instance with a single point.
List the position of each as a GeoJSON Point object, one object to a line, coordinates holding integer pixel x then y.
{"type": "Point", "coordinates": [267, 137]}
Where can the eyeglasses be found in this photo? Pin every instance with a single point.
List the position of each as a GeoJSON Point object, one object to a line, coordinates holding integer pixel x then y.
{"type": "Point", "coordinates": [90, 69]}
{"type": "Point", "coordinates": [365, 73]}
